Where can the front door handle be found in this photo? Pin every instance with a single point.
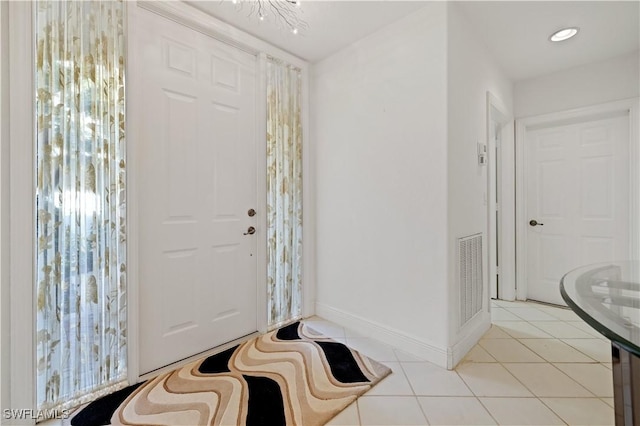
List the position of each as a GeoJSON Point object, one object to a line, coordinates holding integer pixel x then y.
{"type": "Point", "coordinates": [534, 222]}
{"type": "Point", "coordinates": [250, 231]}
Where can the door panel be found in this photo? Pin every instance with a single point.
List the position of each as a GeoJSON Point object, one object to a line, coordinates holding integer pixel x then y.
{"type": "Point", "coordinates": [197, 180]}
{"type": "Point", "coordinates": [577, 187]}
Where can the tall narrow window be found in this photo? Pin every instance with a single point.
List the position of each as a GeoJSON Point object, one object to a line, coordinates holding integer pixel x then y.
{"type": "Point", "coordinates": [284, 192]}
{"type": "Point", "coordinates": [80, 159]}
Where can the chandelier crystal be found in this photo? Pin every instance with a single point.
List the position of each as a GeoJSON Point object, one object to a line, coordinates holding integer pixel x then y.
{"type": "Point", "coordinates": [284, 13]}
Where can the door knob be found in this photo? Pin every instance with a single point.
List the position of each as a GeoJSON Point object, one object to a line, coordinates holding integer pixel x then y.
{"type": "Point", "coordinates": [250, 231]}
{"type": "Point", "coordinates": [534, 222]}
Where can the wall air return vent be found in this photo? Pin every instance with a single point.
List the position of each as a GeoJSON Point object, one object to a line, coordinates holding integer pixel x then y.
{"type": "Point", "coordinates": [470, 276]}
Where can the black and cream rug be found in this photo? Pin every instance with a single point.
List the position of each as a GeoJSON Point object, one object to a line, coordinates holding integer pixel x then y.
{"type": "Point", "coordinates": [290, 376]}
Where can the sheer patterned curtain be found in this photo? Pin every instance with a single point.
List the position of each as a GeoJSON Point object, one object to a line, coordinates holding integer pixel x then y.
{"type": "Point", "coordinates": [284, 192]}
{"type": "Point", "coordinates": [80, 267]}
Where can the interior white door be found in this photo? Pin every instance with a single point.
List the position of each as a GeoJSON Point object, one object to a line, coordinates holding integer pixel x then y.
{"type": "Point", "coordinates": [197, 181]}
{"type": "Point", "coordinates": [577, 183]}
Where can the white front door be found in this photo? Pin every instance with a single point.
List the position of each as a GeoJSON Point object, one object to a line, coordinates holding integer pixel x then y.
{"type": "Point", "coordinates": [577, 186]}
{"type": "Point", "coordinates": [196, 182]}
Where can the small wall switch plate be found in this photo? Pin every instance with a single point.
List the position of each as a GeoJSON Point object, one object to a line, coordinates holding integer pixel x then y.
{"type": "Point", "coordinates": [482, 154]}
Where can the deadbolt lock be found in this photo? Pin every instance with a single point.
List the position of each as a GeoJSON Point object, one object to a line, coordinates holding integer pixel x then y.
{"type": "Point", "coordinates": [251, 212]}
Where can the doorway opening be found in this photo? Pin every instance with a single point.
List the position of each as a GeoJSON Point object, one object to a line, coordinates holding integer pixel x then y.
{"type": "Point", "coordinates": [497, 133]}
{"type": "Point", "coordinates": [494, 207]}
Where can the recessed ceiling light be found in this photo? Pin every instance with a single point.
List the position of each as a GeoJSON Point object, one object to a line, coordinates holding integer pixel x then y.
{"type": "Point", "coordinates": [564, 34]}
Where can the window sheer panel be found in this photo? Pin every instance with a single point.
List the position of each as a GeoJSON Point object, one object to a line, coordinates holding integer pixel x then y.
{"type": "Point", "coordinates": [81, 321]}
{"type": "Point", "coordinates": [284, 192]}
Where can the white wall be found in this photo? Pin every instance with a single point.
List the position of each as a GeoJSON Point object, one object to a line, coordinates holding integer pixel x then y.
{"type": "Point", "coordinates": [472, 72]}
{"type": "Point", "coordinates": [379, 130]}
{"type": "Point", "coordinates": [592, 84]}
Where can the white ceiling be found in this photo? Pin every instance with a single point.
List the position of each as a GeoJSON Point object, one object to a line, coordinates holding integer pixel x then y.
{"type": "Point", "coordinates": [515, 32]}
{"type": "Point", "coordinates": [332, 25]}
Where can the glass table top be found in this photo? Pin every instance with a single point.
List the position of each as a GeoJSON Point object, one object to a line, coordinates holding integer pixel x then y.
{"type": "Point", "coordinates": [607, 297]}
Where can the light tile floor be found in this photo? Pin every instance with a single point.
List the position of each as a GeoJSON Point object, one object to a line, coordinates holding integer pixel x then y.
{"type": "Point", "coordinates": [537, 365]}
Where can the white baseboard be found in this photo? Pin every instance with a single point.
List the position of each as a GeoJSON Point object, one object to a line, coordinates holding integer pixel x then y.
{"type": "Point", "coordinates": [472, 333]}
{"type": "Point", "coordinates": [427, 351]}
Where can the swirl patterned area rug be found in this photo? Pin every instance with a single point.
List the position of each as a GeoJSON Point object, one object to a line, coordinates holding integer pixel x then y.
{"type": "Point", "coordinates": [290, 376]}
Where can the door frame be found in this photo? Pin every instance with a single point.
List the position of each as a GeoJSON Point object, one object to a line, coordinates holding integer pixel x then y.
{"type": "Point", "coordinates": [629, 106]}
{"type": "Point", "coordinates": [197, 20]}
{"type": "Point", "coordinates": [497, 113]}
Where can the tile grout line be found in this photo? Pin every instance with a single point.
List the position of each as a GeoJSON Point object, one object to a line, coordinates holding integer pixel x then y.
{"type": "Point", "coordinates": [424, 414]}
{"type": "Point", "coordinates": [525, 386]}
{"type": "Point", "coordinates": [465, 383]}
{"type": "Point", "coordinates": [569, 322]}
{"type": "Point", "coordinates": [553, 411]}
{"type": "Point", "coordinates": [476, 396]}
{"type": "Point", "coordinates": [407, 379]}
{"type": "Point", "coordinates": [514, 337]}
{"type": "Point", "coordinates": [562, 372]}
{"type": "Point", "coordinates": [558, 338]}
{"type": "Point", "coordinates": [487, 352]}
{"type": "Point", "coordinates": [519, 362]}
{"type": "Point", "coordinates": [487, 410]}
{"type": "Point", "coordinates": [572, 379]}
{"type": "Point", "coordinates": [415, 395]}
{"type": "Point", "coordinates": [560, 341]}
{"type": "Point", "coordinates": [588, 390]}
{"type": "Point", "coordinates": [593, 360]}
{"type": "Point", "coordinates": [541, 320]}
{"type": "Point", "coordinates": [578, 349]}
{"type": "Point", "coordinates": [602, 398]}
{"type": "Point", "coordinates": [529, 390]}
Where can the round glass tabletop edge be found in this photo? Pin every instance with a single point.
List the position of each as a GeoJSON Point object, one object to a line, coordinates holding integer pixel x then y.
{"type": "Point", "coordinates": [601, 328]}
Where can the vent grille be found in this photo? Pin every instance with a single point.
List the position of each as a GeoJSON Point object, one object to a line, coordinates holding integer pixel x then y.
{"type": "Point", "coordinates": [470, 274]}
